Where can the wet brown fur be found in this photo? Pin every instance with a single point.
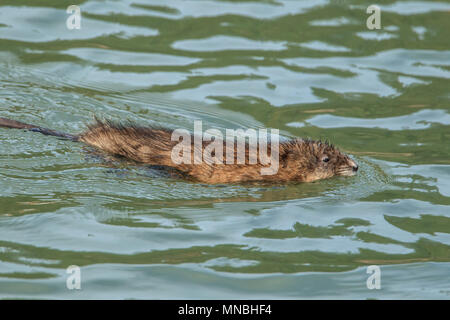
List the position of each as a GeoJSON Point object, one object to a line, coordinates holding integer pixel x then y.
{"type": "Point", "coordinates": [299, 160]}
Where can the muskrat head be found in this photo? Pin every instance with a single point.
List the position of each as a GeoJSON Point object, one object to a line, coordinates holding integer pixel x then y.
{"type": "Point", "coordinates": [312, 160]}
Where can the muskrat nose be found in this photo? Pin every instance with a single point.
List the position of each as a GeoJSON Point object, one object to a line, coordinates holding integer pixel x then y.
{"type": "Point", "coordinates": [355, 168]}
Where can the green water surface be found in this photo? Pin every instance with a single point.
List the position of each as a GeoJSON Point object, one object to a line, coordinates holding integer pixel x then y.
{"type": "Point", "coordinates": [308, 68]}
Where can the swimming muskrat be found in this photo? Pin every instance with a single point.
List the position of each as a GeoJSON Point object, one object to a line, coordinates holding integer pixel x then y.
{"type": "Point", "coordinates": [299, 159]}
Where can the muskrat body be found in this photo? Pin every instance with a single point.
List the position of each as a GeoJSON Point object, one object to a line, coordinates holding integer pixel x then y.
{"type": "Point", "coordinates": [299, 160]}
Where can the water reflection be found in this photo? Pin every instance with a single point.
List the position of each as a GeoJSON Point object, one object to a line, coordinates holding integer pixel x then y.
{"type": "Point", "coordinates": [311, 69]}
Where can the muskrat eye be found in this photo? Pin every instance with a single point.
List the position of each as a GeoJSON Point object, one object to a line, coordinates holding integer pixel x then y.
{"type": "Point", "coordinates": [325, 159]}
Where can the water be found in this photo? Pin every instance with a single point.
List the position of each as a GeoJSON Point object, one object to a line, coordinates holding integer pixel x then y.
{"type": "Point", "coordinates": [308, 68]}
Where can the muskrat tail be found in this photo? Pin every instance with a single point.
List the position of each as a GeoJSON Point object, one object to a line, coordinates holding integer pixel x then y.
{"type": "Point", "coordinates": [8, 123]}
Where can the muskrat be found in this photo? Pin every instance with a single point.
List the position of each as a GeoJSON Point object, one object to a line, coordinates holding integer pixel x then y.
{"type": "Point", "coordinates": [300, 160]}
